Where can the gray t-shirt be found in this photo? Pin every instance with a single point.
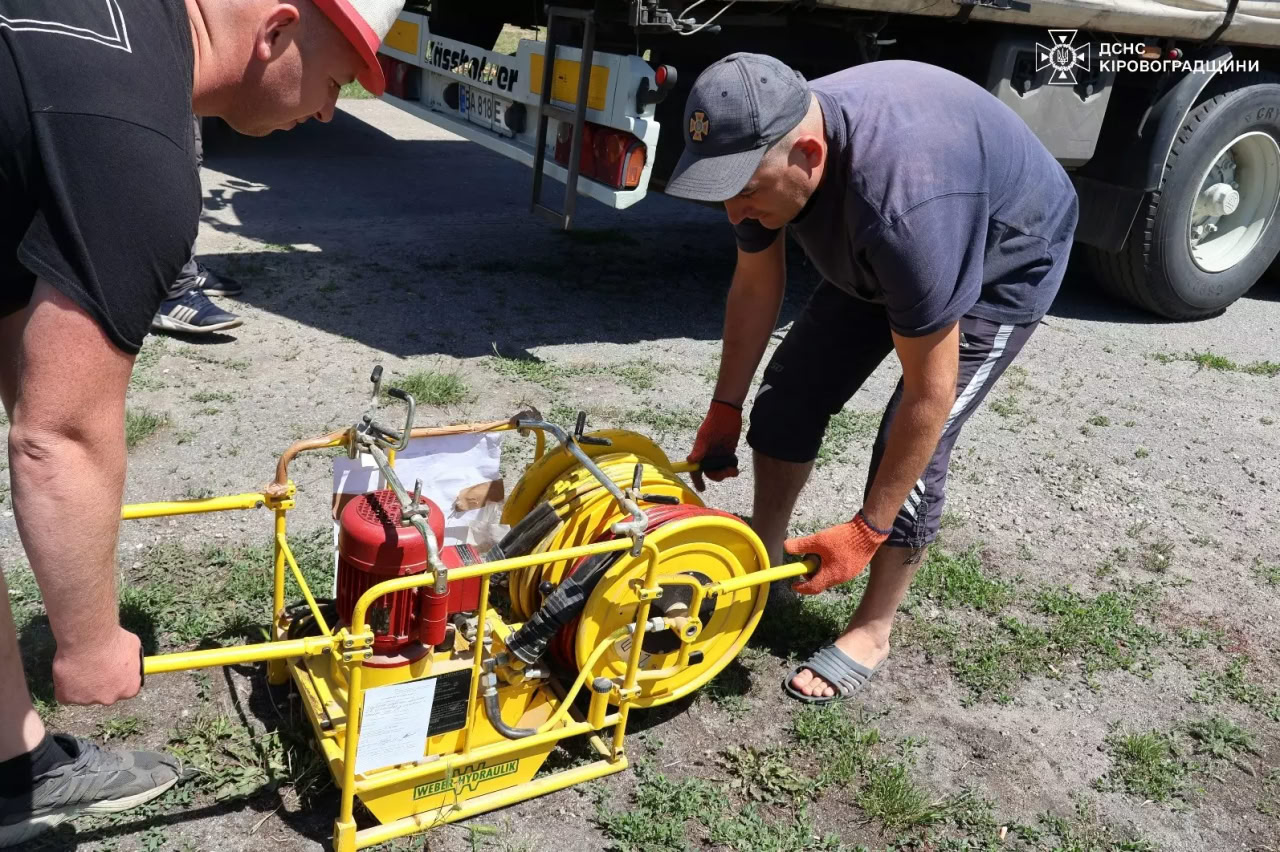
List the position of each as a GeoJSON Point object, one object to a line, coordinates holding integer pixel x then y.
{"type": "Point", "coordinates": [938, 201]}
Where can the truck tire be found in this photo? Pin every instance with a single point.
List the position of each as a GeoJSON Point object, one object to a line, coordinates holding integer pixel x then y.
{"type": "Point", "coordinates": [1210, 231]}
{"type": "Point", "coordinates": [464, 20]}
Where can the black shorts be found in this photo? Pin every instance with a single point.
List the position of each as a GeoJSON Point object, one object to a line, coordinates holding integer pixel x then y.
{"type": "Point", "coordinates": [830, 351]}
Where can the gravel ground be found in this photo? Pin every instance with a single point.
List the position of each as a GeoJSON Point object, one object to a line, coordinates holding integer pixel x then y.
{"type": "Point", "coordinates": [1111, 462]}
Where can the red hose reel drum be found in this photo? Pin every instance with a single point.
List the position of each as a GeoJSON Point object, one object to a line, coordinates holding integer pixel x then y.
{"type": "Point", "coordinates": [374, 547]}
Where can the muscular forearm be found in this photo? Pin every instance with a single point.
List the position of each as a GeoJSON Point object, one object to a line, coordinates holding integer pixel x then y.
{"type": "Point", "coordinates": [67, 488]}
{"type": "Point", "coordinates": [913, 436]}
{"type": "Point", "coordinates": [750, 316]}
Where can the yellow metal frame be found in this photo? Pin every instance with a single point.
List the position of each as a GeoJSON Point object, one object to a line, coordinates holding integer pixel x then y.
{"type": "Point", "coordinates": [349, 648]}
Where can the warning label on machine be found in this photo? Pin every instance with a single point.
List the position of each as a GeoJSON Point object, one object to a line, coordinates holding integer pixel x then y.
{"type": "Point", "coordinates": [449, 712]}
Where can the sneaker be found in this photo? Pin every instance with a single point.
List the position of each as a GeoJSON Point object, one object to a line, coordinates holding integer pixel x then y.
{"type": "Point", "coordinates": [193, 313]}
{"type": "Point", "coordinates": [212, 284]}
{"type": "Point", "coordinates": [95, 782]}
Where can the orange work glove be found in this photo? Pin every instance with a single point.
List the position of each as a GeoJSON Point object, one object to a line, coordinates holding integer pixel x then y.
{"type": "Point", "coordinates": [842, 551]}
{"type": "Point", "coordinates": [717, 436]}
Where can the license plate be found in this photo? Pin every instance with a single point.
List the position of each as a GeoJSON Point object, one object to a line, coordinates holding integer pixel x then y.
{"type": "Point", "coordinates": [482, 108]}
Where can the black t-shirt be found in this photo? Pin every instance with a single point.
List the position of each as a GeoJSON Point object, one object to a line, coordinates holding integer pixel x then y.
{"type": "Point", "coordinates": [99, 193]}
{"type": "Point", "coordinates": [938, 200]}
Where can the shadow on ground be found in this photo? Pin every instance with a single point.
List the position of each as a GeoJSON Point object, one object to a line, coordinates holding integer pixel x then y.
{"type": "Point", "coordinates": [420, 247]}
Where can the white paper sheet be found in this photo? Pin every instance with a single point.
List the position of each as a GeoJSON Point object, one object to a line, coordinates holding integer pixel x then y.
{"type": "Point", "coordinates": [393, 726]}
{"type": "Point", "coordinates": [446, 465]}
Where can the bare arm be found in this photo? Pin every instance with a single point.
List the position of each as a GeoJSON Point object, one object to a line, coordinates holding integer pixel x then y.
{"type": "Point", "coordinates": [929, 368]}
{"type": "Point", "coordinates": [755, 297]}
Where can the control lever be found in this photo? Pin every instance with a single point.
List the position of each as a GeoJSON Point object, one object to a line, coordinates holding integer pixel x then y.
{"type": "Point", "coordinates": [579, 438]}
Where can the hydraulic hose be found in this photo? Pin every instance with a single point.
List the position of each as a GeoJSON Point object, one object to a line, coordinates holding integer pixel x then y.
{"type": "Point", "coordinates": [561, 607]}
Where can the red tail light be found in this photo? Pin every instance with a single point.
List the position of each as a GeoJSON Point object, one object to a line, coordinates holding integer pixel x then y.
{"type": "Point", "coordinates": [402, 78]}
{"type": "Point", "coordinates": [612, 157]}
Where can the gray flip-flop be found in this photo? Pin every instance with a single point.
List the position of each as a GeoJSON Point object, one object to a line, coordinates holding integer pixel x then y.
{"type": "Point", "coordinates": [837, 669]}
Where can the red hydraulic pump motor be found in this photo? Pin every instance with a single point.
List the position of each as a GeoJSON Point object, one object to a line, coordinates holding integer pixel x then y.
{"type": "Point", "coordinates": [373, 547]}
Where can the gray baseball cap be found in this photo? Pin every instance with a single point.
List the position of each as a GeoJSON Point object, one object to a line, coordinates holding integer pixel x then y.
{"type": "Point", "coordinates": [737, 108]}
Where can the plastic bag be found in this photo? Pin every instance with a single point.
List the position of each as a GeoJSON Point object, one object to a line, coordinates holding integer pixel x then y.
{"type": "Point", "coordinates": [487, 529]}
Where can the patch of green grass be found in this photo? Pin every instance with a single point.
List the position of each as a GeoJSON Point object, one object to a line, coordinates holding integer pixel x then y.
{"type": "Point", "coordinates": [665, 421]}
{"type": "Point", "coordinates": [1141, 453]}
{"type": "Point", "coordinates": [232, 762]}
{"type": "Point", "coordinates": [1158, 556]}
{"type": "Point", "coordinates": [1145, 764]}
{"type": "Point", "coordinates": [1220, 738]}
{"type": "Point", "coordinates": [1099, 420]}
{"type": "Point", "coordinates": [841, 740]}
{"type": "Point", "coordinates": [748, 831]}
{"type": "Point", "coordinates": [1191, 637]}
{"type": "Point", "coordinates": [1097, 634]}
{"type": "Point", "coordinates": [193, 353]}
{"type": "Point", "coordinates": [120, 728]}
{"type": "Point", "coordinates": [1234, 683]}
{"type": "Point", "coordinates": [509, 39]}
{"type": "Point", "coordinates": [218, 593]}
{"type": "Point", "coordinates": [1103, 631]}
{"type": "Point", "coordinates": [140, 424]}
{"type": "Point", "coordinates": [428, 387]}
{"type": "Point", "coordinates": [142, 378]}
{"type": "Point", "coordinates": [1269, 369]}
{"type": "Point", "coordinates": [959, 580]}
{"type": "Point", "coordinates": [1209, 361]}
{"type": "Point", "coordinates": [528, 368]}
{"type": "Point", "coordinates": [659, 809]}
{"type": "Point", "coordinates": [1270, 574]}
{"type": "Point", "coordinates": [238, 364]}
{"type": "Point", "coordinates": [893, 798]}
{"type": "Point", "coordinates": [354, 91]}
{"type": "Point", "coordinates": [1015, 378]}
{"type": "Point", "coordinates": [212, 396]}
{"type": "Point", "coordinates": [1006, 406]}
{"type": "Point", "coordinates": [1084, 832]}
{"type": "Point", "coordinates": [765, 776]}
{"type": "Point", "coordinates": [989, 660]}
{"type": "Point", "coordinates": [639, 376]}
{"type": "Point", "coordinates": [842, 430]}
{"type": "Point", "coordinates": [728, 689]}
{"type": "Point", "coordinates": [208, 411]}
{"type": "Point", "coordinates": [565, 416]}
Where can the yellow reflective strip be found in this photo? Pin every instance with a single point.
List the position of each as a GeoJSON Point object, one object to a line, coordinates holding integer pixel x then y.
{"type": "Point", "coordinates": [564, 81]}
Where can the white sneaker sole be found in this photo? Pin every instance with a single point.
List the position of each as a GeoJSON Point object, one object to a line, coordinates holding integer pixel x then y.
{"type": "Point", "coordinates": [21, 832]}
{"type": "Point", "coordinates": [163, 323]}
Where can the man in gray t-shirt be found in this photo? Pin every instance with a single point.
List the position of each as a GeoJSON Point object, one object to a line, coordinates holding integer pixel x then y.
{"type": "Point", "coordinates": [941, 227]}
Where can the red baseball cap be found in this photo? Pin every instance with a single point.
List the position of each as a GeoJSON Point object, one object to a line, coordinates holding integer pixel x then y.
{"type": "Point", "coordinates": [364, 23]}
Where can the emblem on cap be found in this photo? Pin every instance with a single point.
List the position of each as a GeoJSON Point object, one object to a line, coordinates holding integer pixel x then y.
{"type": "Point", "coordinates": [699, 125]}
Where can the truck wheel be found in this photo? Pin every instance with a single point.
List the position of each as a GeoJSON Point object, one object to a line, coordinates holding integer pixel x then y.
{"type": "Point", "coordinates": [463, 20]}
{"type": "Point", "coordinates": [1210, 232]}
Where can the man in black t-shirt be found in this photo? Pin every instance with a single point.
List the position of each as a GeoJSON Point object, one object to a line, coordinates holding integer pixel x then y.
{"type": "Point", "coordinates": [100, 201]}
{"type": "Point", "coordinates": [941, 227]}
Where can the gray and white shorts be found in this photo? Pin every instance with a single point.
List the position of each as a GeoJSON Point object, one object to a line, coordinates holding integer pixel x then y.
{"type": "Point", "coordinates": [838, 342]}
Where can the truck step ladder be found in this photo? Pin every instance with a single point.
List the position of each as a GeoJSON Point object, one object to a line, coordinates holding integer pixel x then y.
{"type": "Point", "coordinates": [577, 116]}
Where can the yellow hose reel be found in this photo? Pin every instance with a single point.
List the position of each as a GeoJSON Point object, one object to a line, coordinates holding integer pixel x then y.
{"type": "Point", "coordinates": [697, 548]}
